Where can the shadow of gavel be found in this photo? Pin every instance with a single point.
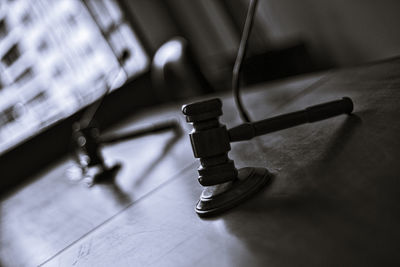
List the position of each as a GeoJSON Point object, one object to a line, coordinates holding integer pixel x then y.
{"type": "Point", "coordinates": [225, 186]}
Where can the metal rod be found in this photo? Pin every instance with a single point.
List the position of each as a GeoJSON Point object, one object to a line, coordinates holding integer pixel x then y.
{"type": "Point", "coordinates": [156, 128]}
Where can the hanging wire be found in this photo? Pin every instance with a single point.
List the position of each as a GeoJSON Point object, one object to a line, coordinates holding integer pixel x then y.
{"type": "Point", "coordinates": [239, 59]}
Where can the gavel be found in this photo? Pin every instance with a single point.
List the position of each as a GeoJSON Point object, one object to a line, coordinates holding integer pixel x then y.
{"type": "Point", "coordinates": [225, 185]}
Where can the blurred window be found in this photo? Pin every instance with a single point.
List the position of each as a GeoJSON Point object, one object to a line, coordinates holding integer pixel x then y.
{"type": "Point", "coordinates": [24, 76]}
{"type": "Point", "coordinates": [26, 19]}
{"type": "Point", "coordinates": [72, 20]}
{"type": "Point", "coordinates": [57, 72]}
{"type": "Point", "coordinates": [43, 45]}
{"type": "Point", "coordinates": [8, 115]}
{"type": "Point", "coordinates": [11, 55]}
{"type": "Point", "coordinates": [3, 28]}
{"type": "Point", "coordinates": [38, 98]}
{"type": "Point", "coordinates": [61, 62]}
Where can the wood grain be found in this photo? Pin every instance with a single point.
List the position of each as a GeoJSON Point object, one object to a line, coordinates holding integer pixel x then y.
{"type": "Point", "coordinates": [333, 200]}
{"type": "Point", "coordinates": [42, 218]}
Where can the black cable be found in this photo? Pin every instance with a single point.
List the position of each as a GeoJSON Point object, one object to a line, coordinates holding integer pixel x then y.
{"type": "Point", "coordinates": [239, 59]}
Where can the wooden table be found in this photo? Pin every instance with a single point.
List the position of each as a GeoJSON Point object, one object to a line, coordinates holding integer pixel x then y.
{"type": "Point", "coordinates": [334, 199]}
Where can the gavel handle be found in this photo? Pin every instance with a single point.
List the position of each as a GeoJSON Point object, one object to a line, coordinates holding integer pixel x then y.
{"type": "Point", "coordinates": [319, 112]}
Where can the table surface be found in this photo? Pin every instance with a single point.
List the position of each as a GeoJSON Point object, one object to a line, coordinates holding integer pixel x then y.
{"type": "Point", "coordinates": [333, 200]}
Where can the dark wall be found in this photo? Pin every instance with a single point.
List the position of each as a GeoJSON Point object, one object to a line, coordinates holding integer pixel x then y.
{"type": "Point", "coordinates": [338, 32]}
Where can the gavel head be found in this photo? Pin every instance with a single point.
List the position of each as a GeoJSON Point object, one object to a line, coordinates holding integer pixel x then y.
{"type": "Point", "coordinates": [210, 142]}
{"type": "Point", "coordinates": [225, 187]}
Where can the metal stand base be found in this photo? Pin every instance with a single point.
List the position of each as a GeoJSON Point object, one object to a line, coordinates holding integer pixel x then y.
{"type": "Point", "coordinates": [102, 175]}
{"type": "Point", "coordinates": [219, 198]}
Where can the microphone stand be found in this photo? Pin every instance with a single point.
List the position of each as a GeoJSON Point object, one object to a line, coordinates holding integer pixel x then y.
{"type": "Point", "coordinates": [87, 141]}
